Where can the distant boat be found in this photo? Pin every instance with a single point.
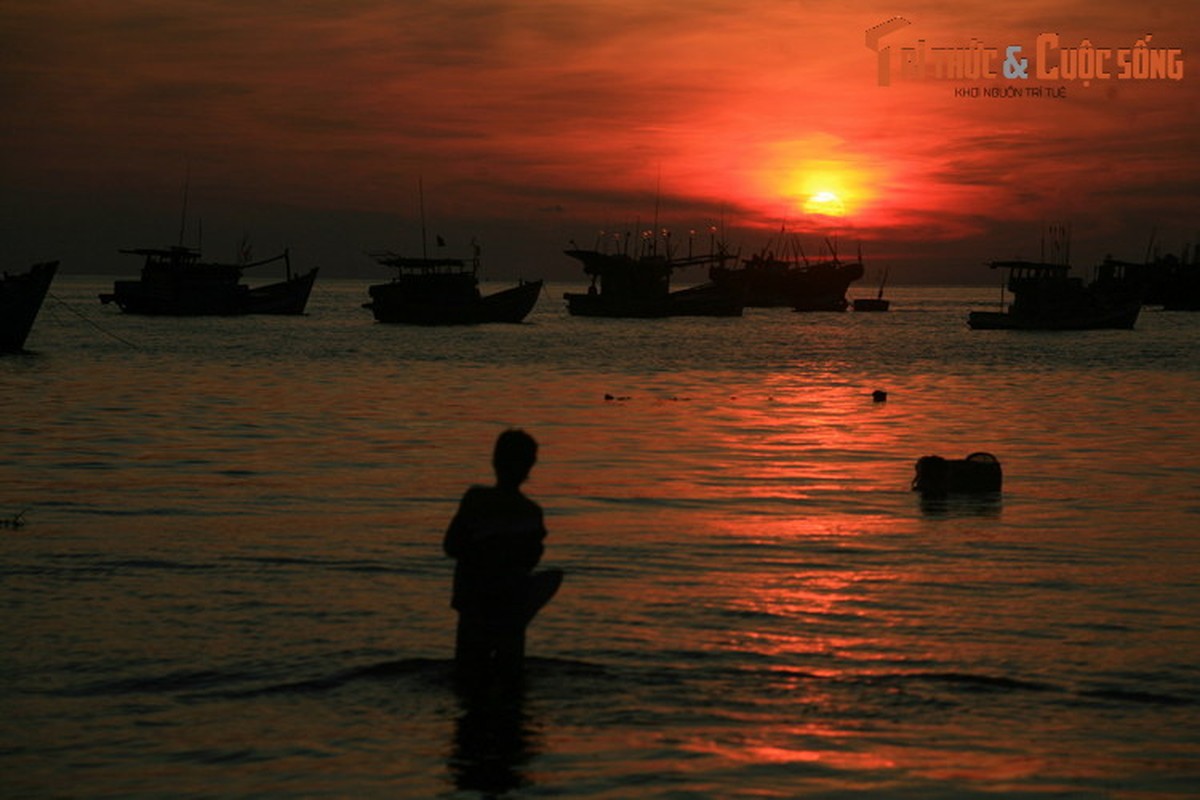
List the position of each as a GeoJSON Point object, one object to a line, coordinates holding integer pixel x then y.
{"type": "Point", "coordinates": [770, 280]}
{"type": "Point", "coordinates": [445, 291]}
{"type": "Point", "coordinates": [176, 283]}
{"type": "Point", "coordinates": [625, 286]}
{"type": "Point", "coordinates": [876, 303]}
{"type": "Point", "coordinates": [21, 297]}
{"type": "Point", "coordinates": [1170, 281]}
{"type": "Point", "coordinates": [1046, 297]}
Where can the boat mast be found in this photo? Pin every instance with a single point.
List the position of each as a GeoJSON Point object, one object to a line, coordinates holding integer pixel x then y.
{"type": "Point", "coordinates": [183, 214]}
{"type": "Point", "coordinates": [657, 196]}
{"type": "Point", "coordinates": [421, 203]}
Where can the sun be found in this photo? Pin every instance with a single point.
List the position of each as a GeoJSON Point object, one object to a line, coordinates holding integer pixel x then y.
{"type": "Point", "coordinates": [824, 202]}
{"type": "Point", "coordinates": [817, 181]}
{"type": "Point", "coordinates": [825, 188]}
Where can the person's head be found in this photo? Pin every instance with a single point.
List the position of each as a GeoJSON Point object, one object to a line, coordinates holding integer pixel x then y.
{"type": "Point", "coordinates": [514, 456]}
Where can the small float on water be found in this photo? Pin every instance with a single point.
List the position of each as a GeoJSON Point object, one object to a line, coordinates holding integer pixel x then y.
{"type": "Point", "coordinates": [978, 473]}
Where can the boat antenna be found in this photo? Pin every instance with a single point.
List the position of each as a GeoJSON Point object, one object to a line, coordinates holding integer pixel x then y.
{"type": "Point", "coordinates": [421, 203]}
{"type": "Point", "coordinates": [657, 197]}
{"type": "Point", "coordinates": [1150, 244]}
{"type": "Point", "coordinates": [183, 214]}
{"type": "Point", "coordinates": [654, 228]}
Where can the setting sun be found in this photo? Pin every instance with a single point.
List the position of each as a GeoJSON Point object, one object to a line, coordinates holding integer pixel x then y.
{"type": "Point", "coordinates": [827, 203]}
{"type": "Point", "coordinates": [827, 187]}
{"type": "Point", "coordinates": [818, 177]}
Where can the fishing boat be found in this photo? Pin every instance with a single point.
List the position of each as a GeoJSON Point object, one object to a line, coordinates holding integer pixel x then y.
{"type": "Point", "coordinates": [21, 297]}
{"type": "Point", "coordinates": [626, 286]}
{"type": "Point", "coordinates": [1046, 297]}
{"type": "Point", "coordinates": [876, 303]}
{"type": "Point", "coordinates": [767, 279]}
{"type": "Point", "coordinates": [175, 282]}
{"type": "Point", "coordinates": [445, 291]}
{"type": "Point", "coordinates": [1170, 281]}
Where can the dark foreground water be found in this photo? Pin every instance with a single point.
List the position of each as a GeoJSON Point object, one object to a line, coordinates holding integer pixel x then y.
{"type": "Point", "coordinates": [230, 581]}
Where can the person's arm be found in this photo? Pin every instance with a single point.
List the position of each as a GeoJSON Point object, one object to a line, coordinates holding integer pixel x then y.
{"type": "Point", "coordinates": [532, 546]}
{"type": "Point", "coordinates": [459, 533]}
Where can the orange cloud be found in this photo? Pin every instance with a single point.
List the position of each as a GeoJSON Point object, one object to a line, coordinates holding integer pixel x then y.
{"type": "Point", "coordinates": [565, 113]}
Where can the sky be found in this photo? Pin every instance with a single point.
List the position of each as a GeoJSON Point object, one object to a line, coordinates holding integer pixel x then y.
{"type": "Point", "coordinates": [329, 126]}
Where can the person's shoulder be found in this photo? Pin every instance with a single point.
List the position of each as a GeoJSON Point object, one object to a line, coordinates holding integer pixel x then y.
{"type": "Point", "coordinates": [530, 502]}
{"type": "Point", "coordinates": [501, 498]}
{"type": "Point", "coordinates": [528, 505]}
{"type": "Point", "coordinates": [476, 493]}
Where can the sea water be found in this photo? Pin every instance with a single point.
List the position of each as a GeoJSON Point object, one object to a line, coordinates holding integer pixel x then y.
{"type": "Point", "coordinates": [229, 580]}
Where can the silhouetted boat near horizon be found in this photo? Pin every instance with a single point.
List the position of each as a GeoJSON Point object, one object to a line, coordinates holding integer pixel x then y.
{"type": "Point", "coordinates": [768, 280]}
{"type": "Point", "coordinates": [1046, 297]}
{"type": "Point", "coordinates": [876, 303]}
{"type": "Point", "coordinates": [1170, 281]}
{"type": "Point", "coordinates": [174, 282]}
{"type": "Point", "coordinates": [625, 286]}
{"type": "Point", "coordinates": [445, 291]}
{"type": "Point", "coordinates": [21, 297]}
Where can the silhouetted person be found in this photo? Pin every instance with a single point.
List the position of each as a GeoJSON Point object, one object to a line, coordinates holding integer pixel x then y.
{"type": "Point", "coordinates": [496, 538]}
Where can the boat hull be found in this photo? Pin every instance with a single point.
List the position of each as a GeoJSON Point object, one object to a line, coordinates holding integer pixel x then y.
{"type": "Point", "coordinates": [21, 298]}
{"type": "Point", "coordinates": [183, 297]}
{"type": "Point", "coordinates": [773, 283]}
{"type": "Point", "coordinates": [394, 303]}
{"type": "Point", "coordinates": [706, 300]}
{"type": "Point", "coordinates": [871, 304]}
{"type": "Point", "coordinates": [1123, 318]}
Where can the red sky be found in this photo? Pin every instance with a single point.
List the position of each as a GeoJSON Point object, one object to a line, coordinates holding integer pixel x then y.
{"type": "Point", "coordinates": [532, 123]}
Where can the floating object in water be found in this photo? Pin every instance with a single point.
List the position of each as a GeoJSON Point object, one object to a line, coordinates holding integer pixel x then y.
{"type": "Point", "coordinates": [977, 473]}
{"type": "Point", "coordinates": [879, 396]}
{"type": "Point", "coordinates": [14, 522]}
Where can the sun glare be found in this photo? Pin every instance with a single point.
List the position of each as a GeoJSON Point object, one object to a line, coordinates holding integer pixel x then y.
{"type": "Point", "coordinates": [818, 181]}
{"type": "Point", "coordinates": [825, 188]}
{"type": "Point", "coordinates": [825, 202]}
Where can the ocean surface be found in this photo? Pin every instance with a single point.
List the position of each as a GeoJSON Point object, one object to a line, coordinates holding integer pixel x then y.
{"type": "Point", "coordinates": [229, 581]}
